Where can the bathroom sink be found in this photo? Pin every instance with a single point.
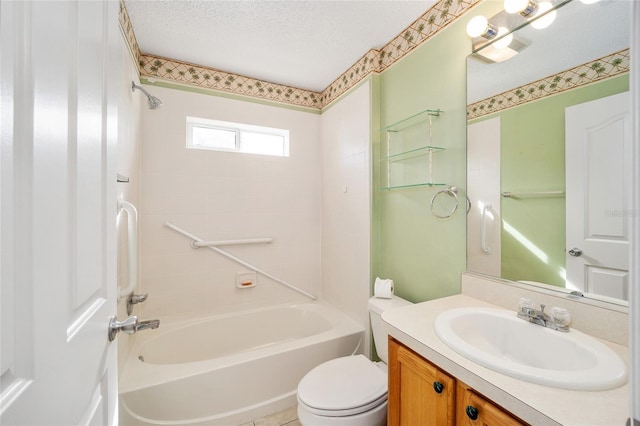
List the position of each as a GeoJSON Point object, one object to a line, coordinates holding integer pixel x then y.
{"type": "Point", "coordinates": [500, 341]}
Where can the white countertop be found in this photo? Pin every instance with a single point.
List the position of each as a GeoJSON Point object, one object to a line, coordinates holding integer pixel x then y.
{"type": "Point", "coordinates": [535, 404]}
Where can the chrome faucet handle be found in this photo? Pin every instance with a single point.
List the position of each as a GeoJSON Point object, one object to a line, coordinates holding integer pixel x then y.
{"type": "Point", "coordinates": [138, 298]}
{"type": "Point", "coordinates": [127, 326]}
{"type": "Point", "coordinates": [134, 299]}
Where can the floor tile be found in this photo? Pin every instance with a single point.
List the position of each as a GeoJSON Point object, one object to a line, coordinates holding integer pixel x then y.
{"type": "Point", "coordinates": [285, 417]}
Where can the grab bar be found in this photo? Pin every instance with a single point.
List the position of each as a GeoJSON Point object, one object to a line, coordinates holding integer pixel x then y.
{"type": "Point", "coordinates": [240, 261]}
{"type": "Point", "coordinates": [197, 244]}
{"type": "Point", "coordinates": [485, 248]}
{"type": "Point", "coordinates": [132, 236]}
{"type": "Point", "coordinates": [508, 194]}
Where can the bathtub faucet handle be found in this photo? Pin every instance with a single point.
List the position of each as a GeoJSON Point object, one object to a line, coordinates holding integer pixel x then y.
{"type": "Point", "coordinates": [127, 326]}
{"type": "Point", "coordinates": [134, 299]}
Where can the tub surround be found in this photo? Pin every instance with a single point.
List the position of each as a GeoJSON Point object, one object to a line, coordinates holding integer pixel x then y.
{"type": "Point", "coordinates": [535, 404]}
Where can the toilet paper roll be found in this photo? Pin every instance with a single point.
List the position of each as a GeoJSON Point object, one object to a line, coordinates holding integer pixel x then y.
{"type": "Point", "coordinates": [383, 288]}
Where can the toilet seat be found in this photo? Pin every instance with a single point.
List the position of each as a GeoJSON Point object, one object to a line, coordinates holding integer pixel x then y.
{"type": "Point", "coordinates": [343, 387]}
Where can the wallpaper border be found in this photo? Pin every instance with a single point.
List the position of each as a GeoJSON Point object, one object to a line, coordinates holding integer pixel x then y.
{"type": "Point", "coordinates": [434, 20]}
{"type": "Point", "coordinates": [599, 69]}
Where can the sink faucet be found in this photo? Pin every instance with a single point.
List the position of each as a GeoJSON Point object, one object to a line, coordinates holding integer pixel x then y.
{"type": "Point", "coordinates": [558, 320]}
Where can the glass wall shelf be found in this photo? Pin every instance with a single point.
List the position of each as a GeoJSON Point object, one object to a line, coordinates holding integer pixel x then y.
{"type": "Point", "coordinates": [411, 153]}
{"type": "Point", "coordinates": [412, 120]}
{"type": "Point", "coordinates": [407, 157]}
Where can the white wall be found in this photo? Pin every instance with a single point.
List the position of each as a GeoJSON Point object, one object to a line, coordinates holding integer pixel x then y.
{"type": "Point", "coordinates": [222, 195]}
{"type": "Point", "coordinates": [483, 189]}
{"type": "Point", "coordinates": [346, 203]}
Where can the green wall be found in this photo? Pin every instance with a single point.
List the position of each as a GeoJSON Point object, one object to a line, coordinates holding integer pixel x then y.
{"type": "Point", "coordinates": [425, 255]}
{"type": "Point", "coordinates": [532, 159]}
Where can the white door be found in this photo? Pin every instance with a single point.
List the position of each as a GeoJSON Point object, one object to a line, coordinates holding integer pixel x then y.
{"type": "Point", "coordinates": [58, 212]}
{"type": "Point", "coordinates": [598, 172]}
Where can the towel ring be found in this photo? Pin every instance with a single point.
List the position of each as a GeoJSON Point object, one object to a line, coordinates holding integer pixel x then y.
{"type": "Point", "coordinates": [452, 191]}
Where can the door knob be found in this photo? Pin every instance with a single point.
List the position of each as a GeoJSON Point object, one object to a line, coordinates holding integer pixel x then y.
{"type": "Point", "coordinates": [575, 252]}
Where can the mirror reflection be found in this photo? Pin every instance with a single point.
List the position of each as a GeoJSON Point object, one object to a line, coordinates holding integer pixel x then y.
{"type": "Point", "coordinates": [548, 154]}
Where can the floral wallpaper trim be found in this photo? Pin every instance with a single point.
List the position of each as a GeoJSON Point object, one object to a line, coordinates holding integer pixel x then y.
{"type": "Point", "coordinates": [356, 73]}
{"type": "Point", "coordinates": [440, 15]}
{"type": "Point", "coordinates": [210, 78]}
{"type": "Point", "coordinates": [422, 29]}
{"type": "Point", "coordinates": [591, 72]}
{"type": "Point", "coordinates": [129, 34]}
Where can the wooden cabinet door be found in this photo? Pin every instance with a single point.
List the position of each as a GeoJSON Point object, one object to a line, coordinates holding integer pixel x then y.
{"type": "Point", "coordinates": [474, 410]}
{"type": "Point", "coordinates": [419, 393]}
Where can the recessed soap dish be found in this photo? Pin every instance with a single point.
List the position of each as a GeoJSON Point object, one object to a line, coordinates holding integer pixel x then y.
{"type": "Point", "coordinates": [246, 279]}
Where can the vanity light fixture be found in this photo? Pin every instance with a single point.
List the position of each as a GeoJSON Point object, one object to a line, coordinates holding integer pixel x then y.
{"type": "Point", "coordinates": [504, 38]}
{"type": "Point", "coordinates": [491, 54]}
{"type": "Point", "coordinates": [526, 8]}
{"type": "Point", "coordinates": [546, 20]}
{"type": "Point", "coordinates": [479, 26]}
{"type": "Point", "coordinates": [532, 9]}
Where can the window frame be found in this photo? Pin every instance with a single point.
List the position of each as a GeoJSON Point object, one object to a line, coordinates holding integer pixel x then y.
{"type": "Point", "coordinates": [238, 129]}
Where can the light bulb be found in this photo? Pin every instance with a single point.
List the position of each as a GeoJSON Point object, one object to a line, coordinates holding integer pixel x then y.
{"type": "Point", "coordinates": [504, 41]}
{"type": "Point", "coordinates": [477, 26]}
{"type": "Point", "coordinates": [515, 6]}
{"type": "Point", "coordinates": [547, 19]}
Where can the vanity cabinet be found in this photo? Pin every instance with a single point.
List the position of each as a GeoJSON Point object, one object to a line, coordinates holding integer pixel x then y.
{"type": "Point", "coordinates": [419, 392]}
{"type": "Point", "coordinates": [473, 409]}
{"type": "Point", "coordinates": [422, 394]}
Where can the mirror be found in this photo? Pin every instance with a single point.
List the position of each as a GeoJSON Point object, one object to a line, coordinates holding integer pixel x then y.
{"type": "Point", "coordinates": [538, 207]}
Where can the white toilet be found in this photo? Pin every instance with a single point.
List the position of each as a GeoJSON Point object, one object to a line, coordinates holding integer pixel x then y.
{"type": "Point", "coordinates": [352, 390]}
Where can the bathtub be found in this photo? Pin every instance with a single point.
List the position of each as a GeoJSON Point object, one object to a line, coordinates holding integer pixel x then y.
{"type": "Point", "coordinates": [232, 368]}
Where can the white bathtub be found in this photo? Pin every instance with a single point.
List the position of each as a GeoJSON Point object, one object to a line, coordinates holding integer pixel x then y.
{"type": "Point", "coordinates": [230, 369]}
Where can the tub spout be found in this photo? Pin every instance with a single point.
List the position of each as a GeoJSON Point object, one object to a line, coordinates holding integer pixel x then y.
{"type": "Point", "coordinates": [129, 326]}
{"type": "Point", "coordinates": [146, 325]}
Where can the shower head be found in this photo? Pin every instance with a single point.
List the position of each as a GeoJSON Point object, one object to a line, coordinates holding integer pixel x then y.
{"type": "Point", "coordinates": [154, 103]}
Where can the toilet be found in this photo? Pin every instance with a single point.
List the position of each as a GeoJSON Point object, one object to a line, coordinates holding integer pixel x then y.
{"type": "Point", "coordinates": [351, 390]}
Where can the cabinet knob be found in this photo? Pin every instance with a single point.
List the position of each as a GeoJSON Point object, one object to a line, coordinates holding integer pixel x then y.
{"type": "Point", "coordinates": [438, 387]}
{"type": "Point", "coordinates": [472, 412]}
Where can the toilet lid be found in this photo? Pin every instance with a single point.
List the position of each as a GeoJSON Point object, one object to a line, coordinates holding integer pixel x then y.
{"type": "Point", "coordinates": [348, 385]}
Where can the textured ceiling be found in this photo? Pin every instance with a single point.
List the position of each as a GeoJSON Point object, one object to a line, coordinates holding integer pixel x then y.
{"type": "Point", "coordinates": [304, 43]}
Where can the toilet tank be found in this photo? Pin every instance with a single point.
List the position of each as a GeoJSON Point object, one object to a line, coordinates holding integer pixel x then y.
{"type": "Point", "coordinates": [376, 307]}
